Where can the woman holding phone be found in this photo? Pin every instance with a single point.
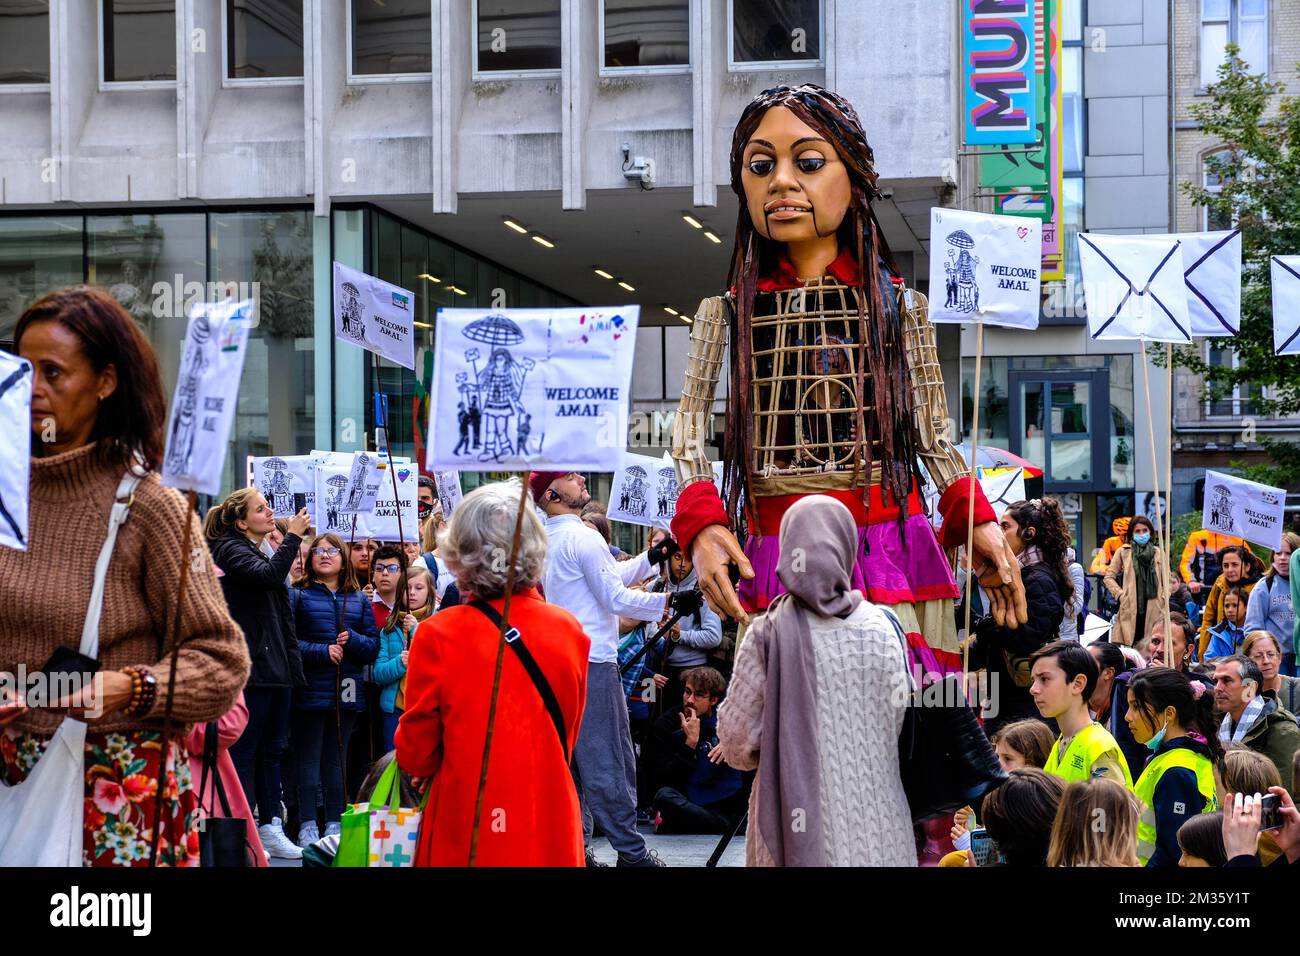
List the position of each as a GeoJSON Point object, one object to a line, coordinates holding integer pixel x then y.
{"type": "Point", "coordinates": [97, 424]}
{"type": "Point", "coordinates": [259, 602]}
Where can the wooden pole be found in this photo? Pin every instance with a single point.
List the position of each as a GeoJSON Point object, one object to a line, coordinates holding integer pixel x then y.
{"type": "Point", "coordinates": [496, 677]}
{"type": "Point", "coordinates": [1155, 481]}
{"type": "Point", "coordinates": [1169, 456]}
{"type": "Point", "coordinates": [971, 583]}
{"type": "Point", "coordinates": [165, 748]}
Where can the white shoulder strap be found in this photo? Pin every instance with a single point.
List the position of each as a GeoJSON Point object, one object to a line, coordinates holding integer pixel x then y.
{"type": "Point", "coordinates": [121, 504]}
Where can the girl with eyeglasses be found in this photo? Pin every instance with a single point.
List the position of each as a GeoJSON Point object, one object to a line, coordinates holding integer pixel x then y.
{"type": "Point", "coordinates": [338, 638]}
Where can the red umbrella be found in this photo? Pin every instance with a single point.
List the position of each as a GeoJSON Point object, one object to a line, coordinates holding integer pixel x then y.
{"type": "Point", "coordinates": [991, 457]}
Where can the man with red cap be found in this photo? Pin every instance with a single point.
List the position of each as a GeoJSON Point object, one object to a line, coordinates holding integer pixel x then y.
{"type": "Point", "coordinates": [583, 578]}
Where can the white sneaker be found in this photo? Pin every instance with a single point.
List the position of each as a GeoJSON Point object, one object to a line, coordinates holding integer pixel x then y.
{"type": "Point", "coordinates": [308, 834]}
{"type": "Point", "coordinates": [276, 843]}
{"type": "Point", "coordinates": [333, 829]}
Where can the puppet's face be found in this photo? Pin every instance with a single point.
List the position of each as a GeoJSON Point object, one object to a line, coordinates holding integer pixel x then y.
{"type": "Point", "coordinates": [796, 187]}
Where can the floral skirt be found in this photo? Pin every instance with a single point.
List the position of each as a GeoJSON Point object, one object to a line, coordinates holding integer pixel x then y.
{"type": "Point", "coordinates": [121, 776]}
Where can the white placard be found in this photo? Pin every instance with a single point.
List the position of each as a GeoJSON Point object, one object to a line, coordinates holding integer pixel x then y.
{"type": "Point", "coordinates": [16, 440]}
{"type": "Point", "coordinates": [632, 493]}
{"type": "Point", "coordinates": [1002, 488]}
{"type": "Point", "coordinates": [1212, 274]}
{"type": "Point", "coordinates": [449, 494]}
{"type": "Point", "coordinates": [374, 315]}
{"type": "Point", "coordinates": [985, 268]}
{"type": "Point", "coordinates": [364, 482]}
{"type": "Point", "coordinates": [332, 472]}
{"type": "Point", "coordinates": [531, 389]}
{"type": "Point", "coordinates": [1134, 287]}
{"type": "Point", "coordinates": [665, 492]}
{"type": "Point", "coordinates": [1244, 508]}
{"type": "Point", "coordinates": [381, 523]}
{"type": "Point", "coordinates": [207, 390]}
{"type": "Point", "coordinates": [1286, 305]}
{"type": "Point", "coordinates": [280, 477]}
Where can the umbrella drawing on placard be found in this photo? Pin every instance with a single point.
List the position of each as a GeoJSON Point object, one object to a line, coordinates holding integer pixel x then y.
{"type": "Point", "coordinates": [494, 330]}
{"type": "Point", "coordinates": [961, 239]}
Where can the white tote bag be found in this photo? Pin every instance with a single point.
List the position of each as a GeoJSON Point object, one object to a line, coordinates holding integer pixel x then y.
{"type": "Point", "coordinates": [41, 818]}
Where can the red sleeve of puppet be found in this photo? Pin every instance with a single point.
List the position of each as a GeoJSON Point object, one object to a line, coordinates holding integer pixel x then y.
{"type": "Point", "coordinates": [954, 506]}
{"type": "Point", "coordinates": [698, 506]}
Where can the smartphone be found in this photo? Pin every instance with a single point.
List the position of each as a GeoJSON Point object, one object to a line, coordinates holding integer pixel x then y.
{"type": "Point", "coordinates": [984, 848]}
{"type": "Point", "coordinates": [1270, 811]}
{"type": "Point", "coordinates": [299, 501]}
{"type": "Point", "coordinates": [65, 660]}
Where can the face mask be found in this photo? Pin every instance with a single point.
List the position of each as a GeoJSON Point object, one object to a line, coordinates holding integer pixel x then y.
{"type": "Point", "coordinates": [424, 509]}
{"type": "Point", "coordinates": [1141, 538]}
{"type": "Point", "coordinates": [1159, 738]}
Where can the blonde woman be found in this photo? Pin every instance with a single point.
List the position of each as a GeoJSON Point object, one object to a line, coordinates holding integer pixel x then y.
{"type": "Point", "coordinates": [1096, 825]}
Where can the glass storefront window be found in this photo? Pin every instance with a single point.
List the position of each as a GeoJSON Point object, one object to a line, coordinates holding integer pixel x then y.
{"type": "Point", "coordinates": [647, 33]}
{"type": "Point", "coordinates": [37, 255]}
{"type": "Point", "coordinates": [272, 251]}
{"type": "Point", "coordinates": [1122, 435]}
{"type": "Point", "coordinates": [776, 31]}
{"type": "Point", "coordinates": [263, 38]}
{"type": "Point", "coordinates": [994, 407]}
{"type": "Point", "coordinates": [24, 41]}
{"type": "Point", "coordinates": [391, 37]}
{"type": "Point", "coordinates": [139, 41]}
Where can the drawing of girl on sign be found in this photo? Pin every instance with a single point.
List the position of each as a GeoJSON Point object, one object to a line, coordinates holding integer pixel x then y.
{"type": "Point", "coordinates": [960, 270]}
{"type": "Point", "coordinates": [500, 385]}
{"type": "Point", "coordinates": [181, 440]}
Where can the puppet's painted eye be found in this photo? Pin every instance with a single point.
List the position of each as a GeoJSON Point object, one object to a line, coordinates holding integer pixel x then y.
{"type": "Point", "coordinates": [810, 164]}
{"type": "Point", "coordinates": [761, 167]}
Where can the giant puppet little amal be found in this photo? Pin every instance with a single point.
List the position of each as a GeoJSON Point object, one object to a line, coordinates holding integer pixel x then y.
{"type": "Point", "coordinates": [835, 386]}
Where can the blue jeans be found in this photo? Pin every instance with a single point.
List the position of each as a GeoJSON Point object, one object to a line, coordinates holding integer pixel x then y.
{"type": "Point", "coordinates": [390, 728]}
{"type": "Point", "coordinates": [316, 741]}
{"type": "Point", "coordinates": [258, 751]}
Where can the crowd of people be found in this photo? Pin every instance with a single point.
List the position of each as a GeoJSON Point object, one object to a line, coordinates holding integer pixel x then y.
{"type": "Point", "coordinates": [626, 701]}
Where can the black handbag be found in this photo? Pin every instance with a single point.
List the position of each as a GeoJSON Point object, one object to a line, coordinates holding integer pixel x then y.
{"type": "Point", "coordinates": [223, 841]}
{"type": "Point", "coordinates": [944, 757]}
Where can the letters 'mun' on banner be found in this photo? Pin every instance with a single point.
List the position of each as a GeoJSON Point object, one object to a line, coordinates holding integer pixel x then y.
{"type": "Point", "coordinates": [1000, 82]}
{"type": "Point", "coordinates": [989, 268]}
{"type": "Point", "coordinates": [207, 389]}
{"type": "Point", "coordinates": [531, 389]}
{"type": "Point", "coordinates": [1212, 274]}
{"type": "Point", "coordinates": [1286, 305]}
{"type": "Point", "coordinates": [1135, 288]}
{"type": "Point", "coordinates": [375, 315]}
{"type": "Point", "coordinates": [16, 439]}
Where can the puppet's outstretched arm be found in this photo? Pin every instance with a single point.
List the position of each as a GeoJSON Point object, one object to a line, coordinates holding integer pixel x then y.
{"type": "Point", "coordinates": [929, 401]}
{"type": "Point", "coordinates": [703, 369]}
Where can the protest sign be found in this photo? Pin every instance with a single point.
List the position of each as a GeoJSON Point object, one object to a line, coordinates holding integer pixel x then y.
{"type": "Point", "coordinates": [1244, 508]}
{"type": "Point", "coordinates": [16, 439]}
{"type": "Point", "coordinates": [280, 478]}
{"type": "Point", "coordinates": [374, 315]}
{"type": "Point", "coordinates": [207, 390]}
{"type": "Point", "coordinates": [1212, 274]}
{"type": "Point", "coordinates": [449, 495]}
{"type": "Point", "coordinates": [363, 482]}
{"type": "Point", "coordinates": [987, 266]}
{"type": "Point", "coordinates": [331, 471]}
{"type": "Point", "coordinates": [631, 495]}
{"type": "Point", "coordinates": [1135, 287]}
{"type": "Point", "coordinates": [1286, 305]}
{"type": "Point", "coordinates": [381, 523]}
{"type": "Point", "coordinates": [531, 389]}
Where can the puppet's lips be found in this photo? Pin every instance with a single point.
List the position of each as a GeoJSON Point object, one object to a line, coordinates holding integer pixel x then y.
{"type": "Point", "coordinates": [785, 212]}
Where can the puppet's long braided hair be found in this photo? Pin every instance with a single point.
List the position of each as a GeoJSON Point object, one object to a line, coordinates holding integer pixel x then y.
{"type": "Point", "coordinates": [880, 345]}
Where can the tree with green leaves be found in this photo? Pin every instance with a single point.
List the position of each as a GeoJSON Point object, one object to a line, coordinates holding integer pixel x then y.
{"type": "Point", "coordinates": [1258, 171]}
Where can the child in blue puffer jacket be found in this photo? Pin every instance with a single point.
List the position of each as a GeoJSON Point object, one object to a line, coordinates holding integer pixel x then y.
{"type": "Point", "coordinates": [394, 645]}
{"type": "Point", "coordinates": [337, 638]}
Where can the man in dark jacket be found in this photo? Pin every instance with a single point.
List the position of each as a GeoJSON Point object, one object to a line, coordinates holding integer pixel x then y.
{"type": "Point", "coordinates": [255, 593]}
{"type": "Point", "coordinates": [697, 792]}
{"type": "Point", "coordinates": [1254, 717]}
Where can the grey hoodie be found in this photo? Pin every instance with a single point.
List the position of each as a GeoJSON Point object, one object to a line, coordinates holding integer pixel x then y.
{"type": "Point", "coordinates": [701, 632]}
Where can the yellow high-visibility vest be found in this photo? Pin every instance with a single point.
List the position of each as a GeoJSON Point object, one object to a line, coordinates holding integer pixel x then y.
{"type": "Point", "coordinates": [1146, 785]}
{"type": "Point", "coordinates": [1089, 745]}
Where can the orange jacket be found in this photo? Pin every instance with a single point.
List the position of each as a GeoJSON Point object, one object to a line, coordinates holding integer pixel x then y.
{"type": "Point", "coordinates": [530, 813]}
{"type": "Point", "coordinates": [1212, 540]}
{"type": "Point", "coordinates": [1101, 560]}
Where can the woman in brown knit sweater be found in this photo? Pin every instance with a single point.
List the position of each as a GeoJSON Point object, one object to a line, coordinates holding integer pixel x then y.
{"type": "Point", "coordinates": [97, 402]}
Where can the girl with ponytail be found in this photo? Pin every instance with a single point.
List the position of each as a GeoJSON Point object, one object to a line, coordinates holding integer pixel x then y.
{"type": "Point", "coordinates": [1174, 717]}
{"type": "Point", "coordinates": [1037, 534]}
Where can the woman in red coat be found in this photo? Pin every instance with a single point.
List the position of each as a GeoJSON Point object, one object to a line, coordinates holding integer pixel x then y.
{"type": "Point", "coordinates": [530, 812]}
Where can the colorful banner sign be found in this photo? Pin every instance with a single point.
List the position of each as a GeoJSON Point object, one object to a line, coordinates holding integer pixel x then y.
{"type": "Point", "coordinates": [1001, 101]}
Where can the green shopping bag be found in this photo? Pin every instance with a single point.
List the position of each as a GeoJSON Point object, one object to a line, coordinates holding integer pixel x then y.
{"type": "Point", "coordinates": [356, 824]}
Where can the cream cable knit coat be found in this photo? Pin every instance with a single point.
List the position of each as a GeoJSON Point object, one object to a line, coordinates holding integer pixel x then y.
{"type": "Point", "coordinates": [861, 697]}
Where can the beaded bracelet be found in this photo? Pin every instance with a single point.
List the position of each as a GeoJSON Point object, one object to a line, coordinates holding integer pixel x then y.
{"type": "Point", "coordinates": [144, 688]}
